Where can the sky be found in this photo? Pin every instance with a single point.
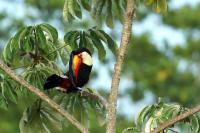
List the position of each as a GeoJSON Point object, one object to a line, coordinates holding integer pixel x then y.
{"type": "Point", "coordinates": [152, 22]}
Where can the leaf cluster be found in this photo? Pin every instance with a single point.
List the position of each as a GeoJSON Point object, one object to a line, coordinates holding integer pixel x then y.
{"type": "Point", "coordinates": [152, 116]}
{"type": "Point", "coordinates": [36, 52]}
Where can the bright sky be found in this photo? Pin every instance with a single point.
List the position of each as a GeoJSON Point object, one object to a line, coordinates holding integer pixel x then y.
{"type": "Point", "coordinates": [152, 22]}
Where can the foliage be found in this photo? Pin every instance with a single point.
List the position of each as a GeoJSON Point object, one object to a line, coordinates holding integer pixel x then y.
{"type": "Point", "coordinates": [157, 5]}
{"type": "Point", "coordinates": [27, 49]}
{"type": "Point", "coordinates": [158, 72]}
{"type": "Point", "coordinates": [153, 115]}
{"type": "Point", "coordinates": [108, 10]}
{"type": "Point", "coordinates": [163, 79]}
{"type": "Point", "coordinates": [187, 21]}
{"type": "Point", "coordinates": [8, 90]}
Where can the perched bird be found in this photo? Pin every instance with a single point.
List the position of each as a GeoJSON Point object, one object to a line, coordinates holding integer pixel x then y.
{"type": "Point", "coordinates": [80, 65]}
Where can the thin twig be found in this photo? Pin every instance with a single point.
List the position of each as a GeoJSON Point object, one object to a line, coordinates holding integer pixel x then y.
{"type": "Point", "coordinates": [176, 119]}
{"type": "Point", "coordinates": [126, 36]}
{"type": "Point", "coordinates": [43, 96]}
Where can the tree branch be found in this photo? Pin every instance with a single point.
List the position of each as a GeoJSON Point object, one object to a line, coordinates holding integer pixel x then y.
{"type": "Point", "coordinates": [176, 119]}
{"type": "Point", "coordinates": [44, 97]}
{"type": "Point", "coordinates": [126, 36]}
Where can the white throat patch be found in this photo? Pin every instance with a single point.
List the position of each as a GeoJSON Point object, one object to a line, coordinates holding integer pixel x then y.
{"type": "Point", "coordinates": [87, 59]}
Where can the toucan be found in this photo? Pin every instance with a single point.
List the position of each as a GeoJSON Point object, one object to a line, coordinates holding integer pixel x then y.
{"type": "Point", "coordinates": [80, 66]}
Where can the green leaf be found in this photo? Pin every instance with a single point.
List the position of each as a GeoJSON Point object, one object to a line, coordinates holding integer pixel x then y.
{"type": "Point", "coordinates": [71, 38]}
{"type": "Point", "coordinates": [3, 103]}
{"type": "Point", "coordinates": [100, 7]}
{"type": "Point", "coordinates": [194, 123]}
{"type": "Point", "coordinates": [142, 115]}
{"type": "Point", "coordinates": [86, 5]}
{"type": "Point", "coordinates": [66, 11]}
{"type": "Point", "coordinates": [25, 33]}
{"type": "Point", "coordinates": [71, 7]}
{"type": "Point", "coordinates": [41, 37]}
{"type": "Point", "coordinates": [78, 9]}
{"type": "Point", "coordinates": [52, 32]}
{"type": "Point", "coordinates": [12, 95]}
{"type": "Point", "coordinates": [94, 7]}
{"type": "Point", "coordinates": [98, 44]}
{"type": "Point", "coordinates": [111, 44]}
{"type": "Point", "coordinates": [40, 118]}
{"type": "Point", "coordinates": [171, 111]}
{"type": "Point", "coordinates": [119, 10]}
{"type": "Point", "coordinates": [64, 56]}
{"type": "Point", "coordinates": [109, 16]}
{"type": "Point", "coordinates": [131, 130]}
{"type": "Point", "coordinates": [7, 55]}
{"type": "Point", "coordinates": [89, 44]}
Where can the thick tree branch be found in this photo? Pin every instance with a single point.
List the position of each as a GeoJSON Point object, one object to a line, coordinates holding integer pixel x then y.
{"type": "Point", "coordinates": [126, 36]}
{"type": "Point", "coordinates": [176, 119]}
{"type": "Point", "coordinates": [43, 96]}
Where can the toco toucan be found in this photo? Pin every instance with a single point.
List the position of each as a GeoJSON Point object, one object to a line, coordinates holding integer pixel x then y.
{"type": "Point", "coordinates": [80, 65]}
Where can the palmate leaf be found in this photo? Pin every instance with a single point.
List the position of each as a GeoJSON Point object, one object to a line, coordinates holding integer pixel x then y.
{"type": "Point", "coordinates": [92, 38]}
{"type": "Point", "coordinates": [75, 105]}
{"type": "Point", "coordinates": [71, 39]}
{"type": "Point", "coordinates": [98, 9]}
{"type": "Point", "coordinates": [72, 9]}
{"type": "Point", "coordinates": [38, 74]}
{"type": "Point", "coordinates": [16, 46]}
{"type": "Point", "coordinates": [81, 107]}
{"type": "Point", "coordinates": [30, 44]}
{"type": "Point", "coordinates": [156, 114]}
{"type": "Point", "coordinates": [143, 114]}
{"type": "Point", "coordinates": [65, 53]}
{"type": "Point", "coordinates": [40, 118]}
{"type": "Point", "coordinates": [194, 123]}
{"type": "Point", "coordinates": [8, 90]}
{"type": "Point", "coordinates": [98, 44]}
{"type": "Point", "coordinates": [51, 31]}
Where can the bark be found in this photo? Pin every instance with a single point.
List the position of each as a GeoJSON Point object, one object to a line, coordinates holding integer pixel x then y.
{"type": "Point", "coordinates": [176, 119]}
{"type": "Point", "coordinates": [126, 36]}
{"type": "Point", "coordinates": [43, 96]}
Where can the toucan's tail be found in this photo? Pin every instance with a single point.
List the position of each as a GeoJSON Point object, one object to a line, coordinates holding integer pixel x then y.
{"type": "Point", "coordinates": [53, 81]}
